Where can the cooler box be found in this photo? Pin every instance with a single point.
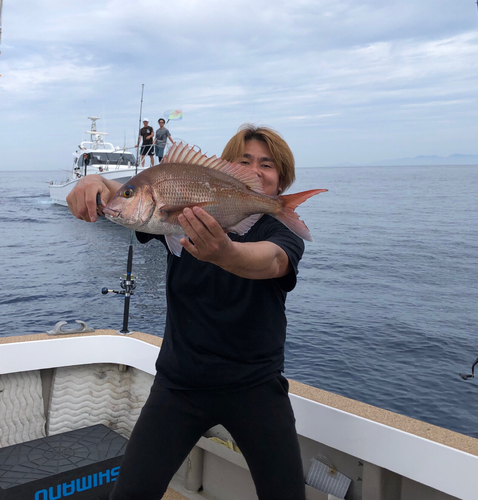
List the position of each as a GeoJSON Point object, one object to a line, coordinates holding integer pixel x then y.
{"type": "Point", "coordinates": [75, 465]}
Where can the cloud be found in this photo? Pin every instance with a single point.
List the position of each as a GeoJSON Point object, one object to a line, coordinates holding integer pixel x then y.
{"type": "Point", "coordinates": [359, 73]}
{"type": "Point", "coordinates": [33, 77]}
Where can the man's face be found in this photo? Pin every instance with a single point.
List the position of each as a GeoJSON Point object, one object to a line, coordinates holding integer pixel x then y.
{"type": "Point", "coordinates": [258, 158]}
{"type": "Point", "coordinates": [145, 123]}
{"type": "Point", "coordinates": [161, 123]}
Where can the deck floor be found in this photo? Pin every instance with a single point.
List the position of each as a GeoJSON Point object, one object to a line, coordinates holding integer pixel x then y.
{"type": "Point", "coordinates": [173, 495]}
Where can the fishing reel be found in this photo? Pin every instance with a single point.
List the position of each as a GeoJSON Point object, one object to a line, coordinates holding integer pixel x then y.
{"type": "Point", "coordinates": [127, 285]}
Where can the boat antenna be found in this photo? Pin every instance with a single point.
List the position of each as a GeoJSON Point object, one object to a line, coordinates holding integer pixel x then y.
{"type": "Point", "coordinates": [139, 128]}
{"type": "Point", "coordinates": [127, 282]}
{"type": "Point", "coordinates": [96, 137]}
{"type": "Point", "coordinates": [472, 375]}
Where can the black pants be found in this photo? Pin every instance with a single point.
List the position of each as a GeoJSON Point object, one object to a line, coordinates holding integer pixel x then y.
{"type": "Point", "coordinates": [260, 420]}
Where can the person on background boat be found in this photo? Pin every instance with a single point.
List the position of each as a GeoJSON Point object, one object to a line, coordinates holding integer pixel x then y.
{"type": "Point", "coordinates": [222, 356]}
{"type": "Point", "coordinates": [86, 159]}
{"type": "Point", "coordinates": [162, 135]}
{"type": "Point", "coordinates": [147, 147]}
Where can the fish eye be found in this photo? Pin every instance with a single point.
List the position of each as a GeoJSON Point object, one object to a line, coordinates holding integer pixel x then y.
{"type": "Point", "coordinates": [128, 192]}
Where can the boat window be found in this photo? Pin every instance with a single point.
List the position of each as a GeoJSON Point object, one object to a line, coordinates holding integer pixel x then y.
{"type": "Point", "coordinates": [112, 158]}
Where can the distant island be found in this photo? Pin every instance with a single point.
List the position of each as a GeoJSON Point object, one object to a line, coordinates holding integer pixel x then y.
{"type": "Point", "coordinates": [455, 159]}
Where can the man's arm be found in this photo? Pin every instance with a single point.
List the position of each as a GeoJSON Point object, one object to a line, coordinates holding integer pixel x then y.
{"type": "Point", "coordinates": [82, 199]}
{"type": "Point", "coordinates": [209, 243]}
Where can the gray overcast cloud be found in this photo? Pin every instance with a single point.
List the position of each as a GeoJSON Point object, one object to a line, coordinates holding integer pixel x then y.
{"type": "Point", "coordinates": [343, 81]}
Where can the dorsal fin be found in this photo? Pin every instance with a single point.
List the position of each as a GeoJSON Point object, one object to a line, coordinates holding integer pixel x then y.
{"type": "Point", "coordinates": [183, 153]}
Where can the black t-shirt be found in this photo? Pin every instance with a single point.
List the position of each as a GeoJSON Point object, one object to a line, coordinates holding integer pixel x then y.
{"type": "Point", "coordinates": [224, 332]}
{"type": "Point", "coordinates": [144, 132]}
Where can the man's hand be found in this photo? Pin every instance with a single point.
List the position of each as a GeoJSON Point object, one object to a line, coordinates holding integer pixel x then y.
{"type": "Point", "coordinates": [209, 243]}
{"type": "Point", "coordinates": [208, 240]}
{"type": "Point", "coordinates": [82, 199]}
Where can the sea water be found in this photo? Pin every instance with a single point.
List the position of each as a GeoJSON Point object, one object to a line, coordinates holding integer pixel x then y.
{"type": "Point", "coordinates": [384, 312]}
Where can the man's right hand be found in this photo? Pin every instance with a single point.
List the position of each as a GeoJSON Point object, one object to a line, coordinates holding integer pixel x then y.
{"type": "Point", "coordinates": [82, 199]}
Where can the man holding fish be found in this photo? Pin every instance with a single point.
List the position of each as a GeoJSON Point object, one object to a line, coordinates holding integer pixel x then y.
{"type": "Point", "coordinates": [229, 270]}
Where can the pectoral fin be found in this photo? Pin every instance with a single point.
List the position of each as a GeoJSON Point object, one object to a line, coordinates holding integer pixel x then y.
{"type": "Point", "coordinates": [172, 240]}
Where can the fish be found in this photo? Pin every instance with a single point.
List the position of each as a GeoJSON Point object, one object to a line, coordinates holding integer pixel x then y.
{"type": "Point", "coordinates": [151, 201]}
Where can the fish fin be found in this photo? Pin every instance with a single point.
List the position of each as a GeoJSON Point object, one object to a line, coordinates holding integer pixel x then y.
{"type": "Point", "coordinates": [183, 153]}
{"type": "Point", "coordinates": [245, 224]}
{"type": "Point", "coordinates": [289, 218]}
{"type": "Point", "coordinates": [172, 240]}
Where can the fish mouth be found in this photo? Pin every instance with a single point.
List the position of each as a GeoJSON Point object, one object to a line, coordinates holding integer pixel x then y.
{"type": "Point", "coordinates": [114, 215]}
{"type": "Point", "coordinates": [111, 213]}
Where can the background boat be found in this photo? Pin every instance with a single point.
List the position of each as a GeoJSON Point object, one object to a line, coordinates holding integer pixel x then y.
{"type": "Point", "coordinates": [96, 157]}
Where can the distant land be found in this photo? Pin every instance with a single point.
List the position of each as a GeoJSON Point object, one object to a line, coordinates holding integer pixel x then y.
{"type": "Point", "coordinates": [455, 159]}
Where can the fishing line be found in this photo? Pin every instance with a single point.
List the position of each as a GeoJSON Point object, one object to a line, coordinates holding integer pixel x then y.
{"type": "Point", "coordinates": [472, 375]}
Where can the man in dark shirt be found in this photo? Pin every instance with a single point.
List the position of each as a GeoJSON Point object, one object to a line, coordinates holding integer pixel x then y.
{"type": "Point", "coordinates": [222, 356]}
{"type": "Point", "coordinates": [162, 135]}
{"type": "Point", "coordinates": [147, 148]}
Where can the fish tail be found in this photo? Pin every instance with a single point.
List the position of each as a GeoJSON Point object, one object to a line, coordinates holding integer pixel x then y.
{"type": "Point", "coordinates": [289, 218]}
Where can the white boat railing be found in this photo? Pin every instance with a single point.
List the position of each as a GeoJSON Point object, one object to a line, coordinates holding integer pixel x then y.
{"type": "Point", "coordinates": [98, 146]}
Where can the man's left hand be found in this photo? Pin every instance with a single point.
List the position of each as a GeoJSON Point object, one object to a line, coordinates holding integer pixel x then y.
{"type": "Point", "coordinates": [208, 242]}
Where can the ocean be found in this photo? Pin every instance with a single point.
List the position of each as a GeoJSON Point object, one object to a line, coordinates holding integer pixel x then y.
{"type": "Point", "coordinates": [385, 310]}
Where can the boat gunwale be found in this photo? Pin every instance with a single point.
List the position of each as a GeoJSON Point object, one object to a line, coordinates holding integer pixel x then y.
{"type": "Point", "coordinates": [440, 458]}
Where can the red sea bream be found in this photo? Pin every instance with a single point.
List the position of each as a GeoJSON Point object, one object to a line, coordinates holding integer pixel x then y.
{"type": "Point", "coordinates": [151, 201]}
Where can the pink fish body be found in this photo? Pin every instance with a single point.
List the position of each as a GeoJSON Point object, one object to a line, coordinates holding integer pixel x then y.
{"type": "Point", "coordinates": [151, 201]}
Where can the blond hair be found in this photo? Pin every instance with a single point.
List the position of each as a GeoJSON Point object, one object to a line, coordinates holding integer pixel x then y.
{"type": "Point", "coordinates": [280, 151]}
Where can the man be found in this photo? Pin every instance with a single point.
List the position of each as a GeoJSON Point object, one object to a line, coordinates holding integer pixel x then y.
{"type": "Point", "coordinates": [86, 159]}
{"type": "Point", "coordinates": [162, 135]}
{"type": "Point", "coordinates": [223, 350]}
{"type": "Point", "coordinates": [147, 148]}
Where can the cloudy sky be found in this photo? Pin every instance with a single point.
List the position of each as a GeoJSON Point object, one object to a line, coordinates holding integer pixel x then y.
{"type": "Point", "coordinates": [343, 81]}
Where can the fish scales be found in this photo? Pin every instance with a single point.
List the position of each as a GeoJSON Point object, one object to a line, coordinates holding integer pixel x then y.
{"type": "Point", "coordinates": [227, 199]}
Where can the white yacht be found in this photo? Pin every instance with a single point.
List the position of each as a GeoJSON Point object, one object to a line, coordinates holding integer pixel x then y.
{"type": "Point", "coordinates": [96, 157]}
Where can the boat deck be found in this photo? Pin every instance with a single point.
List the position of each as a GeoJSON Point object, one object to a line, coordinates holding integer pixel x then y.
{"type": "Point", "coordinates": [375, 448]}
{"type": "Point", "coordinates": [173, 495]}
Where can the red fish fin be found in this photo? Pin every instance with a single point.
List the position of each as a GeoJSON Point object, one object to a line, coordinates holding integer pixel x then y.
{"type": "Point", "coordinates": [287, 215]}
{"type": "Point", "coordinates": [183, 153]}
{"type": "Point", "coordinates": [245, 224]}
{"type": "Point", "coordinates": [172, 240]}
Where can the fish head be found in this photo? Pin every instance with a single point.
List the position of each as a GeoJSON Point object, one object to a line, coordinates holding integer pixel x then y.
{"type": "Point", "coordinates": [131, 206]}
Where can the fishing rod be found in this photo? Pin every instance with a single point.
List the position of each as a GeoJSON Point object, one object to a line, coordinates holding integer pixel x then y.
{"type": "Point", "coordinates": [127, 283]}
{"type": "Point", "coordinates": [139, 129]}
